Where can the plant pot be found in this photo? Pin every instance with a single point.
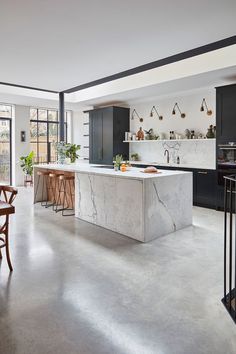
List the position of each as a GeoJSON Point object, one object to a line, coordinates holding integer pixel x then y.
{"type": "Point", "coordinates": [67, 160]}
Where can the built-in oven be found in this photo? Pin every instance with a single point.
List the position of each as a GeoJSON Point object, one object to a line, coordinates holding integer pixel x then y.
{"type": "Point", "coordinates": [226, 166]}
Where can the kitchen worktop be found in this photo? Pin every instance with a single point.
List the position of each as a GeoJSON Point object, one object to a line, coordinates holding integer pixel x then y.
{"type": "Point", "coordinates": [85, 167]}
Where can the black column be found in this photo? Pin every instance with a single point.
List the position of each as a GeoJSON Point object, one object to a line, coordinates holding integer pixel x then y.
{"type": "Point", "coordinates": [61, 116]}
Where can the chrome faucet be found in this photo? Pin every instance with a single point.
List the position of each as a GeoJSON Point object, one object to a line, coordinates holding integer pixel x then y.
{"type": "Point", "coordinates": [168, 155]}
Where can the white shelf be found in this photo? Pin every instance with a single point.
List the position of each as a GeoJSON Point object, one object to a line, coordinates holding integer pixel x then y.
{"type": "Point", "coordinates": [155, 141]}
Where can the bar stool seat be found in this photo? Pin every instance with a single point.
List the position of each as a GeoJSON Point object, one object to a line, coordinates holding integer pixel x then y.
{"type": "Point", "coordinates": [66, 188]}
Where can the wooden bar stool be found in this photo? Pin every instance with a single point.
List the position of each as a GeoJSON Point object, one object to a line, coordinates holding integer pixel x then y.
{"type": "Point", "coordinates": [67, 189]}
{"type": "Point", "coordinates": [42, 175]}
{"type": "Point", "coordinates": [53, 188]}
{"type": "Point", "coordinates": [8, 195]}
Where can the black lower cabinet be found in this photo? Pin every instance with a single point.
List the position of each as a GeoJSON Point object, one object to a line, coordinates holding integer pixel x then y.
{"type": "Point", "coordinates": [204, 185]}
{"type": "Point", "coordinates": [205, 188]}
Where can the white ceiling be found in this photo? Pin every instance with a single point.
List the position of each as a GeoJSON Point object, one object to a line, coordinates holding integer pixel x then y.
{"type": "Point", "coordinates": [59, 44]}
{"type": "Point", "coordinates": [180, 86]}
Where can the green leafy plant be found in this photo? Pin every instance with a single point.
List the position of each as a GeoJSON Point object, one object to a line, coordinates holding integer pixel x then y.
{"type": "Point", "coordinates": [71, 151]}
{"type": "Point", "coordinates": [135, 157]}
{"type": "Point", "coordinates": [118, 160]}
{"type": "Point", "coordinates": [26, 163]}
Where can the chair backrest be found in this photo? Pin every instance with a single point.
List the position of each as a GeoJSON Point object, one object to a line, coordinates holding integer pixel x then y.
{"type": "Point", "coordinates": [9, 193]}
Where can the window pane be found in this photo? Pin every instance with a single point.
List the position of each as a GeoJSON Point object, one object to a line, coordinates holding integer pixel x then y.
{"type": "Point", "coordinates": [33, 147]}
{"type": "Point", "coordinates": [42, 132]}
{"type": "Point", "coordinates": [5, 111]}
{"type": "Point", "coordinates": [52, 115]}
{"type": "Point", "coordinates": [33, 113]}
{"type": "Point", "coordinates": [52, 132]}
{"type": "Point", "coordinates": [53, 157]}
{"type": "Point", "coordinates": [42, 114]}
{"type": "Point", "coordinates": [65, 132]}
{"type": "Point", "coordinates": [33, 131]}
{"type": "Point", "coordinates": [5, 159]}
{"type": "Point", "coordinates": [42, 152]}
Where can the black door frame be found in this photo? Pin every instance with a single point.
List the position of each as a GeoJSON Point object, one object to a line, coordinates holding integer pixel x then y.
{"type": "Point", "coordinates": [48, 143]}
{"type": "Point", "coordinates": [10, 142]}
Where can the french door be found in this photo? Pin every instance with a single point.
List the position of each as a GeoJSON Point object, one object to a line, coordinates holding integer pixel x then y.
{"type": "Point", "coordinates": [5, 151]}
{"type": "Point", "coordinates": [44, 133]}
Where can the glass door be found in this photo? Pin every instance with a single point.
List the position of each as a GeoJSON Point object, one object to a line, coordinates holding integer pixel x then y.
{"type": "Point", "coordinates": [44, 133]}
{"type": "Point", "coordinates": [5, 151]}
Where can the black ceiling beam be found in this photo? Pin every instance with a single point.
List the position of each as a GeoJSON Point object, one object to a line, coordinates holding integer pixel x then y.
{"type": "Point", "coordinates": [27, 87]}
{"type": "Point", "coordinates": [161, 62]}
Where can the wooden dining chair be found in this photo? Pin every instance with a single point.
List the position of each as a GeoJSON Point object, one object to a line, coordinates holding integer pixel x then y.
{"type": "Point", "coordinates": [7, 196]}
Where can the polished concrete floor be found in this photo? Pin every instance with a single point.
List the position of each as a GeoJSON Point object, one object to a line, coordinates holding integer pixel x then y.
{"type": "Point", "coordinates": [77, 288]}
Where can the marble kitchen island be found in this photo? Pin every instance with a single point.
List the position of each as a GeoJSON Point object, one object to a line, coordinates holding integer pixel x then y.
{"type": "Point", "coordinates": [138, 205]}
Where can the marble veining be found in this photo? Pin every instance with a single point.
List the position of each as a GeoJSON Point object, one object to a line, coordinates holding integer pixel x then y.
{"type": "Point", "coordinates": [192, 153]}
{"type": "Point", "coordinates": [139, 205]}
{"type": "Point", "coordinates": [142, 209]}
{"type": "Point", "coordinates": [165, 207]}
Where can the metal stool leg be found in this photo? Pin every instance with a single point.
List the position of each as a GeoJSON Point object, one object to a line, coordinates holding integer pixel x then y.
{"type": "Point", "coordinates": [71, 198]}
{"type": "Point", "coordinates": [50, 188]}
{"type": "Point", "coordinates": [44, 204]}
{"type": "Point", "coordinates": [60, 190]}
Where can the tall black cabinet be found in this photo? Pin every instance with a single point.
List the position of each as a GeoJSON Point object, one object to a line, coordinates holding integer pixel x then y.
{"type": "Point", "coordinates": [225, 137]}
{"type": "Point", "coordinates": [107, 127]}
{"type": "Point", "coordinates": [226, 114]}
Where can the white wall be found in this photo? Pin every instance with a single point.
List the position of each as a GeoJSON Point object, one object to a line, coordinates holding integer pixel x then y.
{"type": "Point", "coordinates": [80, 128]}
{"type": "Point", "coordinates": [198, 154]}
{"type": "Point", "coordinates": [21, 122]}
{"type": "Point", "coordinates": [188, 103]}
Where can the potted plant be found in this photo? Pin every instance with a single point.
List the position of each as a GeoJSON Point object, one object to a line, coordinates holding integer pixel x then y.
{"type": "Point", "coordinates": [61, 151]}
{"type": "Point", "coordinates": [71, 152]}
{"type": "Point", "coordinates": [135, 157]}
{"type": "Point", "coordinates": [117, 162]}
{"type": "Point", "coordinates": [26, 163]}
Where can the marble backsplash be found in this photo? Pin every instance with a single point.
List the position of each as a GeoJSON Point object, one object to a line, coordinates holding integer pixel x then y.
{"type": "Point", "coordinates": [195, 153]}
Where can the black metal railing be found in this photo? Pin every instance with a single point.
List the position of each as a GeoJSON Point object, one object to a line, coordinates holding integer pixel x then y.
{"type": "Point", "coordinates": [229, 299]}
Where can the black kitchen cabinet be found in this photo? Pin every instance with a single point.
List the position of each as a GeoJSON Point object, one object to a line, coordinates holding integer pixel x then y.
{"type": "Point", "coordinates": [226, 114]}
{"type": "Point", "coordinates": [205, 188]}
{"type": "Point", "coordinates": [204, 185]}
{"type": "Point", "coordinates": [107, 127]}
{"type": "Point", "coordinates": [225, 134]}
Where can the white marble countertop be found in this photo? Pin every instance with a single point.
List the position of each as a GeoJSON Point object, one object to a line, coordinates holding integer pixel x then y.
{"type": "Point", "coordinates": [162, 164]}
{"type": "Point", "coordinates": [85, 167]}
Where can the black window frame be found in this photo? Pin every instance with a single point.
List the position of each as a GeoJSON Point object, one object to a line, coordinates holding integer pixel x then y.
{"type": "Point", "coordinates": [48, 122]}
{"type": "Point", "coordinates": [10, 140]}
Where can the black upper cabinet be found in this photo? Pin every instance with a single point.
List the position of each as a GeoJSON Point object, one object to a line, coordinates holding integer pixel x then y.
{"type": "Point", "coordinates": [107, 127]}
{"type": "Point", "coordinates": [226, 113]}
